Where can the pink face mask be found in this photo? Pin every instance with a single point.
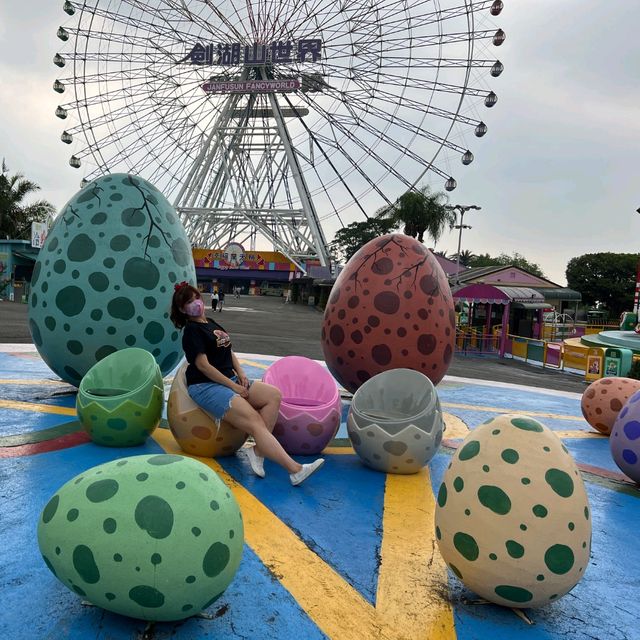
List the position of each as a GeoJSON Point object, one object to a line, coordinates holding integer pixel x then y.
{"type": "Point", "coordinates": [194, 308]}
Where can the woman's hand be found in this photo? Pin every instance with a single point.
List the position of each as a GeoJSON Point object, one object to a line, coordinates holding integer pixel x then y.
{"type": "Point", "coordinates": [242, 379]}
{"type": "Point", "coordinates": [243, 392]}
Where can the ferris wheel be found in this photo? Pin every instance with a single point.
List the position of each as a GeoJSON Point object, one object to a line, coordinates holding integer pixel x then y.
{"type": "Point", "coordinates": [276, 119]}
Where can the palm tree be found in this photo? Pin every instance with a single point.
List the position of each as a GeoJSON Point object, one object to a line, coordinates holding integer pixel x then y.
{"type": "Point", "coordinates": [421, 212]}
{"type": "Point", "coordinates": [466, 257]}
{"type": "Point", "coordinates": [15, 216]}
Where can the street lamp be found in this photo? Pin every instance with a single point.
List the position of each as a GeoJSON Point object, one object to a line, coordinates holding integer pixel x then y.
{"type": "Point", "coordinates": [462, 209]}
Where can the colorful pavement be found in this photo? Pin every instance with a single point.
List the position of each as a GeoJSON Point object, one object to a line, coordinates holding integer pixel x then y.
{"type": "Point", "coordinates": [349, 554]}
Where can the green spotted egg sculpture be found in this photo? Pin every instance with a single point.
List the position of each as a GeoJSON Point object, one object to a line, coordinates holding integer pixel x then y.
{"type": "Point", "coordinates": [512, 515]}
{"type": "Point", "coordinates": [154, 537]}
{"type": "Point", "coordinates": [103, 280]}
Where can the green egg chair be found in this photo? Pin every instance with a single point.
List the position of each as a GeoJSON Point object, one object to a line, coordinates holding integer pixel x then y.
{"type": "Point", "coordinates": [120, 398]}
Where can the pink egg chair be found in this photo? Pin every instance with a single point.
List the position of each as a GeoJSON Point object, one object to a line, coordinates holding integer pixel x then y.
{"type": "Point", "coordinates": [310, 410]}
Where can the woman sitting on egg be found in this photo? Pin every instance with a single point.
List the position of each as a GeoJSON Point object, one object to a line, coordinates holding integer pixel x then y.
{"type": "Point", "coordinates": [216, 382]}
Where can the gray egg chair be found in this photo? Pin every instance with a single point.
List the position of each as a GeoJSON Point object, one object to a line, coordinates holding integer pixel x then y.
{"type": "Point", "coordinates": [395, 422]}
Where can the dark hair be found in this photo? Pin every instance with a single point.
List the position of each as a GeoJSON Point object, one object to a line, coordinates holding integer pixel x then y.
{"type": "Point", "coordinates": [181, 296]}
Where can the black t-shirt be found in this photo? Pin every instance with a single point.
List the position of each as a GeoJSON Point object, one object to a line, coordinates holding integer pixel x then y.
{"type": "Point", "coordinates": [212, 340]}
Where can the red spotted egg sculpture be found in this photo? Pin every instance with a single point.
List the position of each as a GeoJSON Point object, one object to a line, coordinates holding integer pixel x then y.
{"type": "Point", "coordinates": [391, 307]}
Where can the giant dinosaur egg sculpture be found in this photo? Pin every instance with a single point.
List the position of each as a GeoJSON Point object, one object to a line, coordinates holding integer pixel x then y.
{"type": "Point", "coordinates": [603, 400]}
{"type": "Point", "coordinates": [155, 537]}
{"type": "Point", "coordinates": [390, 308]}
{"type": "Point", "coordinates": [512, 515]}
{"type": "Point", "coordinates": [625, 438]}
{"type": "Point", "coordinates": [103, 280]}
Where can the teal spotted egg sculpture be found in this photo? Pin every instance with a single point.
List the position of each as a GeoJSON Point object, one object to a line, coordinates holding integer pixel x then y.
{"type": "Point", "coordinates": [120, 400]}
{"type": "Point", "coordinates": [103, 280]}
{"type": "Point", "coordinates": [155, 537]}
{"type": "Point", "coordinates": [512, 515]}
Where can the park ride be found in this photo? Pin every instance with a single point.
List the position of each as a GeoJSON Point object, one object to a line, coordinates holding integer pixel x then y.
{"type": "Point", "coordinates": [280, 121]}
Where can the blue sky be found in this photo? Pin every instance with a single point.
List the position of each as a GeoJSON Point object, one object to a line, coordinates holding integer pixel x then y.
{"type": "Point", "coordinates": [556, 175]}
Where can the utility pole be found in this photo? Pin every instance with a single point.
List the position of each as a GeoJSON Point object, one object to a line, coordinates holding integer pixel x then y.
{"type": "Point", "coordinates": [462, 209]}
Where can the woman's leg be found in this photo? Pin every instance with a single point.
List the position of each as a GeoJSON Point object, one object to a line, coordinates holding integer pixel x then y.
{"type": "Point", "coordinates": [243, 416]}
{"type": "Point", "coordinates": [265, 399]}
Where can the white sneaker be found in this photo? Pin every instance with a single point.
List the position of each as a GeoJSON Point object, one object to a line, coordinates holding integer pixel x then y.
{"type": "Point", "coordinates": [305, 472]}
{"type": "Point", "coordinates": [256, 462]}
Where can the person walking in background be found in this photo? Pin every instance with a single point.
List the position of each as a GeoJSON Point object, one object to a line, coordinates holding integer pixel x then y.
{"type": "Point", "coordinates": [237, 291]}
{"type": "Point", "coordinates": [214, 299]}
{"type": "Point", "coordinates": [287, 296]}
{"type": "Point", "coordinates": [220, 300]}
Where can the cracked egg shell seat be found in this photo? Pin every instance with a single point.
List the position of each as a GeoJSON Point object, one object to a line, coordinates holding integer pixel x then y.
{"type": "Point", "coordinates": [196, 431]}
{"type": "Point", "coordinates": [395, 422]}
{"type": "Point", "coordinates": [120, 399]}
{"type": "Point", "coordinates": [311, 406]}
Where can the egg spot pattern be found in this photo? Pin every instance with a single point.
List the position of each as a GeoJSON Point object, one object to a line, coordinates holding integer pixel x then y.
{"type": "Point", "coordinates": [560, 482]}
{"type": "Point", "coordinates": [510, 456]}
{"type": "Point", "coordinates": [147, 596]}
{"type": "Point", "coordinates": [495, 499]}
{"type": "Point", "coordinates": [455, 570]}
{"type": "Point", "coordinates": [442, 495]}
{"type": "Point", "coordinates": [81, 248]}
{"type": "Point", "coordinates": [163, 459]}
{"type": "Point", "coordinates": [70, 301]}
{"type": "Point", "coordinates": [470, 450]}
{"type": "Point", "coordinates": [84, 563]}
{"type": "Point", "coordinates": [514, 549]}
{"type": "Point", "coordinates": [215, 559]}
{"type": "Point", "coordinates": [155, 516]}
{"type": "Point", "coordinates": [102, 490]}
{"type": "Point", "coordinates": [121, 308]}
{"type": "Point", "coordinates": [51, 508]}
{"type": "Point", "coordinates": [540, 511]}
{"type": "Point", "coordinates": [632, 430]}
{"type": "Point", "coordinates": [458, 484]}
{"type": "Point", "coordinates": [109, 525]}
{"type": "Point", "coordinates": [466, 546]}
{"type": "Point", "coordinates": [514, 594]}
{"type": "Point", "coordinates": [559, 559]}
{"type": "Point", "coordinates": [72, 515]}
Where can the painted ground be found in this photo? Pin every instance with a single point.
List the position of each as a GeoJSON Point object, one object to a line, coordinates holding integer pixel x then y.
{"type": "Point", "coordinates": [349, 554]}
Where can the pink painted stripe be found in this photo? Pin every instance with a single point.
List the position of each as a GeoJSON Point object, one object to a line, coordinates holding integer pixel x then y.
{"type": "Point", "coordinates": [63, 442]}
{"type": "Point", "coordinates": [587, 468]}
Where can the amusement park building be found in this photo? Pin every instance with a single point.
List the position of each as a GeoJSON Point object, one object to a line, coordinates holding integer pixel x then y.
{"type": "Point", "coordinates": [254, 272]}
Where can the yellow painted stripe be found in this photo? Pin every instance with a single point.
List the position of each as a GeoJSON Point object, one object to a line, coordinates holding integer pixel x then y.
{"type": "Point", "coordinates": [339, 450]}
{"type": "Point", "coordinates": [579, 434]}
{"type": "Point", "coordinates": [412, 578]}
{"type": "Point", "coordinates": [539, 414]}
{"type": "Point", "coordinates": [336, 607]}
{"type": "Point", "coordinates": [253, 363]}
{"type": "Point", "coordinates": [26, 381]}
{"type": "Point", "coordinates": [40, 408]}
{"type": "Point", "coordinates": [456, 428]}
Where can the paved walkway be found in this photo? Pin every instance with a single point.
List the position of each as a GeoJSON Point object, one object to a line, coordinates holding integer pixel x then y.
{"type": "Point", "coordinates": [349, 554]}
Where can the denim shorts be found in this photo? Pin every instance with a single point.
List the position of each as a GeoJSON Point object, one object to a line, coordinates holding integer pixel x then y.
{"type": "Point", "coordinates": [214, 398]}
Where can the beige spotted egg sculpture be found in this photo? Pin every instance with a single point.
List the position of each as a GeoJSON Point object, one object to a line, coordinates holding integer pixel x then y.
{"type": "Point", "coordinates": [512, 517]}
{"type": "Point", "coordinates": [603, 400]}
{"type": "Point", "coordinates": [196, 431]}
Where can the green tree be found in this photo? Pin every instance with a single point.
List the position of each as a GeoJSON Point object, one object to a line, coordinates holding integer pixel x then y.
{"type": "Point", "coordinates": [15, 215]}
{"type": "Point", "coordinates": [504, 260]}
{"type": "Point", "coordinates": [605, 278]}
{"type": "Point", "coordinates": [421, 212]}
{"type": "Point", "coordinates": [349, 239]}
{"type": "Point", "coordinates": [466, 258]}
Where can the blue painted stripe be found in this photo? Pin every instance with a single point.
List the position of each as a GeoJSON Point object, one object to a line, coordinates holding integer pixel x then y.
{"type": "Point", "coordinates": [337, 512]}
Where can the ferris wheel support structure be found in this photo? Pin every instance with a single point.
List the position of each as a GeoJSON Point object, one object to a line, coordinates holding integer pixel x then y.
{"type": "Point", "coordinates": [223, 172]}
